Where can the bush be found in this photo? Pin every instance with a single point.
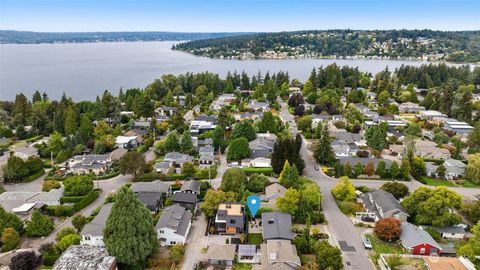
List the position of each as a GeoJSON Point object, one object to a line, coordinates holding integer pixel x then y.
{"type": "Point", "coordinates": [433, 233]}
{"type": "Point", "coordinates": [398, 190]}
{"type": "Point", "coordinates": [78, 185]}
{"type": "Point", "coordinates": [350, 208]}
{"type": "Point", "coordinates": [64, 232]}
{"type": "Point", "coordinates": [26, 260]}
{"type": "Point", "coordinates": [49, 185]}
{"type": "Point", "coordinates": [71, 199]}
{"type": "Point", "coordinates": [203, 174]}
{"type": "Point", "coordinates": [10, 239]}
{"type": "Point", "coordinates": [88, 199]}
{"type": "Point", "coordinates": [39, 225]}
{"type": "Point", "coordinates": [68, 240]}
{"type": "Point", "coordinates": [60, 210]}
{"type": "Point", "coordinates": [34, 176]}
{"type": "Point", "coordinates": [63, 156]}
{"type": "Point", "coordinates": [78, 221]}
{"type": "Point", "coordinates": [64, 211]}
{"type": "Point", "coordinates": [50, 259]}
{"type": "Point", "coordinates": [251, 170]}
{"type": "Point", "coordinates": [148, 177]}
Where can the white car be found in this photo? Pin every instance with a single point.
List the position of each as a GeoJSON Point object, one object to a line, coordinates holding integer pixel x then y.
{"type": "Point", "coordinates": [366, 243]}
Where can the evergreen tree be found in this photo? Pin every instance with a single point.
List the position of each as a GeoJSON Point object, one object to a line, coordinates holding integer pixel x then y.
{"type": "Point", "coordinates": [218, 138]}
{"type": "Point", "coordinates": [22, 109]}
{"type": "Point", "coordinates": [171, 143]}
{"type": "Point", "coordinates": [129, 234]}
{"type": "Point", "coordinates": [186, 145]}
{"type": "Point", "coordinates": [169, 99]}
{"type": "Point", "coordinates": [70, 121]}
{"type": "Point", "coordinates": [39, 225]}
{"type": "Point", "coordinates": [86, 129]}
{"type": "Point", "coordinates": [37, 97]}
{"type": "Point", "coordinates": [289, 176]}
{"type": "Point", "coordinates": [323, 151]}
{"type": "Point", "coordinates": [394, 170]}
{"type": "Point", "coordinates": [244, 129]}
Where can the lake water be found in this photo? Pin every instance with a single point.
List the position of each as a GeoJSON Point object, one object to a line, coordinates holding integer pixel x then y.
{"type": "Point", "coordinates": [85, 70]}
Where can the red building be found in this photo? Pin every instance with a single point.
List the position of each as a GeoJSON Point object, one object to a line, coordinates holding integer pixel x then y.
{"type": "Point", "coordinates": [418, 241]}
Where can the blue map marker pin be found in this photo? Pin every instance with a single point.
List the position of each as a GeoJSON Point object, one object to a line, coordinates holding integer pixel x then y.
{"type": "Point", "coordinates": [253, 203]}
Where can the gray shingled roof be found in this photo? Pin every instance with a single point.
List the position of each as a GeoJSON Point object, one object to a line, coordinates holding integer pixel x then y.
{"type": "Point", "coordinates": [412, 236]}
{"type": "Point", "coordinates": [95, 228]}
{"type": "Point", "coordinates": [277, 225]}
{"type": "Point", "coordinates": [175, 217]}
{"type": "Point", "coordinates": [191, 185]}
{"type": "Point", "coordinates": [364, 161]}
{"type": "Point", "coordinates": [182, 197]}
{"type": "Point", "coordinates": [154, 186]}
{"type": "Point", "coordinates": [383, 199]}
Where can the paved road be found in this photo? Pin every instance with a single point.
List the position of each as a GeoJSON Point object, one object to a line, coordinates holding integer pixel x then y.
{"type": "Point", "coordinates": [341, 228]}
{"type": "Point", "coordinates": [221, 168]}
{"type": "Point", "coordinates": [195, 242]}
{"type": "Point", "coordinates": [343, 233]}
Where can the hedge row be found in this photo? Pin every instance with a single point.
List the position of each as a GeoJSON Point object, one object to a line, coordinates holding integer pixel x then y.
{"type": "Point", "coordinates": [34, 176]}
{"type": "Point", "coordinates": [34, 139]}
{"type": "Point", "coordinates": [88, 199]}
{"type": "Point", "coordinates": [251, 170]}
{"type": "Point", "coordinates": [70, 210]}
{"type": "Point", "coordinates": [71, 199]}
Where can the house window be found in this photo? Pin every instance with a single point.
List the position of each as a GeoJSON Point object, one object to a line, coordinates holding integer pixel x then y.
{"type": "Point", "coordinates": [87, 238]}
{"type": "Point", "coordinates": [422, 250]}
{"type": "Point", "coordinates": [161, 231]}
{"type": "Point", "coordinates": [173, 243]}
{"type": "Point", "coordinates": [233, 221]}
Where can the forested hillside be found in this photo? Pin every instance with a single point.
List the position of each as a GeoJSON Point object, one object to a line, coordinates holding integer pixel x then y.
{"type": "Point", "coordinates": [458, 46]}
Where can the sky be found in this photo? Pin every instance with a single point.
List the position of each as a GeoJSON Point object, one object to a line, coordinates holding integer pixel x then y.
{"type": "Point", "coordinates": [236, 16]}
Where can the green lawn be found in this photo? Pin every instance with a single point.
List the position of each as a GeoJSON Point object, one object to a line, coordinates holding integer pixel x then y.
{"type": "Point", "coordinates": [255, 238]}
{"type": "Point", "coordinates": [437, 182]}
{"type": "Point", "coordinates": [242, 266]}
{"type": "Point", "coordinates": [469, 184]}
{"type": "Point", "coordinates": [380, 246]}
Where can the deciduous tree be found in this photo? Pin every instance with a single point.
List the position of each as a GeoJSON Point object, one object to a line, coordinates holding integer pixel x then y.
{"type": "Point", "coordinates": [344, 190]}
{"type": "Point", "coordinates": [387, 229]}
{"type": "Point", "coordinates": [132, 163]}
{"type": "Point", "coordinates": [233, 180]}
{"type": "Point", "coordinates": [39, 225]}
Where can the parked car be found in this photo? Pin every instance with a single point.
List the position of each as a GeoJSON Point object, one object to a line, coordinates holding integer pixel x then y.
{"type": "Point", "coordinates": [368, 219]}
{"type": "Point", "coordinates": [366, 243]}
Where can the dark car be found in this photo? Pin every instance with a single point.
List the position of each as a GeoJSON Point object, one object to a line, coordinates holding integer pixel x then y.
{"type": "Point", "coordinates": [368, 219]}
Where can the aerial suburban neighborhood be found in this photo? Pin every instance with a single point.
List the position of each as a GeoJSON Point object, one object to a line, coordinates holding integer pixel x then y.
{"type": "Point", "coordinates": [353, 170]}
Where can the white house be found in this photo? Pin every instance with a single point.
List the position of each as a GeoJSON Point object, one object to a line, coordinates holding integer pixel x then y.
{"type": "Point", "coordinates": [173, 225]}
{"type": "Point", "coordinates": [261, 162]}
{"type": "Point", "coordinates": [92, 233]}
{"type": "Point", "coordinates": [127, 142]}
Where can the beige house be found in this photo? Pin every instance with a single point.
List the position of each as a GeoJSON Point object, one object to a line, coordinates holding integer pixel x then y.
{"type": "Point", "coordinates": [278, 254]}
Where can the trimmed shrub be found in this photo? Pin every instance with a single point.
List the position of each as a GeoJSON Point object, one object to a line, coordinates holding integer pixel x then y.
{"type": "Point", "coordinates": [49, 185]}
{"type": "Point", "coordinates": [88, 199]}
{"type": "Point", "coordinates": [71, 199]}
{"type": "Point", "coordinates": [251, 170]}
{"type": "Point", "coordinates": [78, 185]}
{"type": "Point", "coordinates": [34, 176]}
{"type": "Point", "coordinates": [10, 239]}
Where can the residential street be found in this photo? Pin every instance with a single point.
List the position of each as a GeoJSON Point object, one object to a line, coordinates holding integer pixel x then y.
{"type": "Point", "coordinates": [343, 233]}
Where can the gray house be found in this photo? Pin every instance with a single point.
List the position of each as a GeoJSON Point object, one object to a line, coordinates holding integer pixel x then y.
{"type": "Point", "coordinates": [277, 225]}
{"type": "Point", "coordinates": [191, 186]}
{"type": "Point", "coordinates": [262, 146]}
{"type": "Point", "coordinates": [383, 205]}
{"type": "Point", "coordinates": [152, 194]}
{"type": "Point", "coordinates": [187, 200]}
{"type": "Point", "coordinates": [230, 218]}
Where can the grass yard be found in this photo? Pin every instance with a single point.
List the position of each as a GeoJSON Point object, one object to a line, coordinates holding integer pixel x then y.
{"type": "Point", "coordinates": [255, 238]}
{"type": "Point", "coordinates": [242, 266]}
{"type": "Point", "coordinates": [437, 182]}
{"type": "Point", "coordinates": [380, 246]}
{"type": "Point", "coordinates": [469, 184]}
